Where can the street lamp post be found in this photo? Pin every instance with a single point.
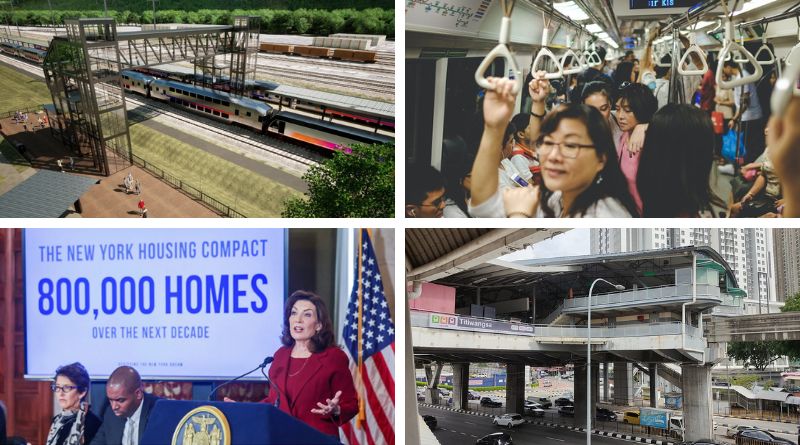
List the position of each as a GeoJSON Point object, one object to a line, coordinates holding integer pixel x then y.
{"type": "Point", "coordinates": [589, 356]}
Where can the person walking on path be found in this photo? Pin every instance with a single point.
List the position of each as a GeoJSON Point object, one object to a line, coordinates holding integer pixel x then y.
{"type": "Point", "coordinates": [141, 207]}
{"type": "Point", "coordinates": [60, 165]}
{"type": "Point", "coordinates": [71, 163]}
{"type": "Point", "coordinates": [138, 187]}
{"type": "Point", "coordinates": [144, 212]}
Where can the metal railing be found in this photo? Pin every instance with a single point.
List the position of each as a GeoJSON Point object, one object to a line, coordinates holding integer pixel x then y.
{"type": "Point", "coordinates": [421, 319]}
{"type": "Point", "coordinates": [188, 189]}
{"type": "Point", "coordinates": [678, 293]}
{"type": "Point", "coordinates": [30, 109]}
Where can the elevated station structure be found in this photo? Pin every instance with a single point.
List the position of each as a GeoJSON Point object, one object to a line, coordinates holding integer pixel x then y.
{"type": "Point", "coordinates": [82, 71]}
{"type": "Point", "coordinates": [470, 308]}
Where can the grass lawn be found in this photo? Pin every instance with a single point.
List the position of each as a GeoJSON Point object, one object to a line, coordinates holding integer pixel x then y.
{"type": "Point", "coordinates": [247, 192]}
{"type": "Point", "coordinates": [12, 156]}
{"type": "Point", "coordinates": [21, 91]}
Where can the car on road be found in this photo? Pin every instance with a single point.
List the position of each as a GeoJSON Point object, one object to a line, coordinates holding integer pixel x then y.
{"type": "Point", "coordinates": [544, 402]}
{"type": "Point", "coordinates": [631, 417]}
{"type": "Point", "coordinates": [430, 421]}
{"type": "Point", "coordinates": [508, 420]}
{"type": "Point", "coordinates": [676, 425]}
{"type": "Point", "coordinates": [546, 383]}
{"type": "Point", "coordinates": [563, 401]}
{"type": "Point", "coordinates": [567, 410]}
{"type": "Point", "coordinates": [732, 430]}
{"type": "Point", "coordinates": [701, 442]}
{"type": "Point", "coordinates": [534, 409]}
{"type": "Point", "coordinates": [420, 397]}
{"type": "Point", "coordinates": [473, 395]}
{"type": "Point", "coordinates": [762, 437]}
{"type": "Point", "coordinates": [490, 402]}
{"type": "Point", "coordinates": [495, 439]}
{"type": "Point", "coordinates": [444, 392]}
{"type": "Point", "coordinates": [606, 415]}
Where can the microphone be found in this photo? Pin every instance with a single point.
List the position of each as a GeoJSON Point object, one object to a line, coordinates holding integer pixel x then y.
{"type": "Point", "coordinates": [277, 403]}
{"type": "Point", "coordinates": [263, 364]}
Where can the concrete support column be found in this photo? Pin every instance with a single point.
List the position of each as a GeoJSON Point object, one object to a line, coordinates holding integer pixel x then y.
{"type": "Point", "coordinates": [623, 390]}
{"type": "Point", "coordinates": [432, 372]}
{"type": "Point", "coordinates": [697, 414]}
{"type": "Point", "coordinates": [605, 382]}
{"type": "Point", "coordinates": [653, 378]}
{"type": "Point", "coordinates": [515, 388]}
{"type": "Point", "coordinates": [582, 400]}
{"type": "Point", "coordinates": [460, 385]}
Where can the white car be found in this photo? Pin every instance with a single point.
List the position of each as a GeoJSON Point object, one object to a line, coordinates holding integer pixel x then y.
{"type": "Point", "coordinates": [508, 420]}
{"type": "Point", "coordinates": [732, 430]}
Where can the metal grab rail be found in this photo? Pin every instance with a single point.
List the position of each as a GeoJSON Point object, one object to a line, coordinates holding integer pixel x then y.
{"type": "Point", "coordinates": [786, 86]}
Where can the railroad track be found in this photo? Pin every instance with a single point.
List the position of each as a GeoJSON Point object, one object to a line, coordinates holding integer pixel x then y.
{"type": "Point", "coordinates": [331, 80]}
{"type": "Point", "coordinates": [319, 61]}
{"type": "Point", "coordinates": [292, 157]}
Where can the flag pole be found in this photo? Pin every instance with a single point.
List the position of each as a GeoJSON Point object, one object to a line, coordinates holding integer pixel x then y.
{"type": "Point", "coordinates": [362, 417]}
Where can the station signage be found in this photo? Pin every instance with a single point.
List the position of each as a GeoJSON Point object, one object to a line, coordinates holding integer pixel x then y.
{"type": "Point", "coordinates": [449, 321]}
{"type": "Point", "coordinates": [655, 4]}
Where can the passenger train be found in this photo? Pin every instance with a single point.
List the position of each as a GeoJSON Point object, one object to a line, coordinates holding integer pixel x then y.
{"type": "Point", "coordinates": [250, 113]}
{"type": "Point", "coordinates": [31, 53]}
{"type": "Point", "coordinates": [265, 90]}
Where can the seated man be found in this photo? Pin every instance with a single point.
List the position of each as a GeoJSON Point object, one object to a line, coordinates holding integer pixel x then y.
{"type": "Point", "coordinates": [424, 192]}
{"type": "Point", "coordinates": [130, 408]}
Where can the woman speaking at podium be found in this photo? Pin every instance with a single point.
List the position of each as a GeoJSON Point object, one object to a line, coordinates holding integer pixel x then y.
{"type": "Point", "coordinates": [310, 377]}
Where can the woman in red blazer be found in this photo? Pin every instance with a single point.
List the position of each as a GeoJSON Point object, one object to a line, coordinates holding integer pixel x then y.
{"type": "Point", "coordinates": [310, 376]}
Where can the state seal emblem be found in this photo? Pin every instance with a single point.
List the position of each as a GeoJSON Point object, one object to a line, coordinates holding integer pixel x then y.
{"type": "Point", "coordinates": [205, 425]}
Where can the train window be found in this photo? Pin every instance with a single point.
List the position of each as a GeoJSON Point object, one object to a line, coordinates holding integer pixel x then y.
{"type": "Point", "coordinates": [216, 113]}
{"type": "Point", "coordinates": [227, 104]}
{"type": "Point", "coordinates": [236, 111]}
{"type": "Point", "coordinates": [193, 95]}
{"type": "Point", "coordinates": [248, 114]}
{"type": "Point", "coordinates": [171, 89]}
{"type": "Point", "coordinates": [216, 101]}
{"type": "Point", "coordinates": [225, 115]}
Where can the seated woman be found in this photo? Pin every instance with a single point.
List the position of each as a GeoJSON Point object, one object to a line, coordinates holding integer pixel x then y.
{"type": "Point", "coordinates": [580, 174]}
{"type": "Point", "coordinates": [75, 424]}
{"type": "Point", "coordinates": [674, 170]}
{"type": "Point", "coordinates": [762, 196]}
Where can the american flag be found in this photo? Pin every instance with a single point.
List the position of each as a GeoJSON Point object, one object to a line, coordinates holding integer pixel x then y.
{"type": "Point", "coordinates": [368, 315]}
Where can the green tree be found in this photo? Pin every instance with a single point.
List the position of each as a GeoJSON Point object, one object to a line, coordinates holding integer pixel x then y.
{"type": "Point", "coordinates": [792, 347]}
{"type": "Point", "coordinates": [755, 354]}
{"type": "Point", "coordinates": [355, 185]}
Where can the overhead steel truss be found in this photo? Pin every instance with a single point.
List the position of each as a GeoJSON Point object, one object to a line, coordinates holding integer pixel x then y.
{"type": "Point", "coordinates": [83, 73]}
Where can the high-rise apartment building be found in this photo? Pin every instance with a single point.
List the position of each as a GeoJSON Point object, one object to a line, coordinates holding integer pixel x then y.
{"type": "Point", "coordinates": [787, 271]}
{"type": "Point", "coordinates": [747, 251]}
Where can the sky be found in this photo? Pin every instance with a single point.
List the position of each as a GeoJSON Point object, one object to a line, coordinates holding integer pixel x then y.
{"type": "Point", "coordinates": [571, 243]}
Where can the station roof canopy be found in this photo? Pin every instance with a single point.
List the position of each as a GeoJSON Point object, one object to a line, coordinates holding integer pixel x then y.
{"type": "Point", "coordinates": [452, 257]}
{"type": "Point", "coordinates": [649, 268]}
{"type": "Point", "coordinates": [46, 194]}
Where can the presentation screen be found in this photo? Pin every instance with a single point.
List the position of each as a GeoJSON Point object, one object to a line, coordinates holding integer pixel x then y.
{"type": "Point", "coordinates": [184, 304]}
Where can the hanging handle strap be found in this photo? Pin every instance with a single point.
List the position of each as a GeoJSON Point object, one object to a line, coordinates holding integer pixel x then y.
{"type": "Point", "coordinates": [501, 50]}
{"type": "Point", "coordinates": [727, 85]}
{"type": "Point", "coordinates": [790, 57]}
{"type": "Point", "coordinates": [545, 53]}
{"type": "Point", "coordinates": [763, 48]}
{"type": "Point", "coordinates": [693, 48]}
{"type": "Point", "coordinates": [786, 87]}
{"type": "Point", "coordinates": [574, 66]}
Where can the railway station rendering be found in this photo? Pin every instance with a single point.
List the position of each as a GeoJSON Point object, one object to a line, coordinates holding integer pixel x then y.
{"type": "Point", "coordinates": [666, 314]}
{"type": "Point", "coordinates": [230, 119]}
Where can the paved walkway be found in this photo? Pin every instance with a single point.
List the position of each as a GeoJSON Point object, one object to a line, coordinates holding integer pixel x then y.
{"type": "Point", "coordinates": [108, 198]}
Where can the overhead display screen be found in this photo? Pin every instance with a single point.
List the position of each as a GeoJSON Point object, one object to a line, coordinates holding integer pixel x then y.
{"type": "Point", "coordinates": [654, 4]}
{"type": "Point", "coordinates": [173, 303]}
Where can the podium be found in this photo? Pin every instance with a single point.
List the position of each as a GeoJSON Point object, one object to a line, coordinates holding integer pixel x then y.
{"type": "Point", "coordinates": [250, 424]}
